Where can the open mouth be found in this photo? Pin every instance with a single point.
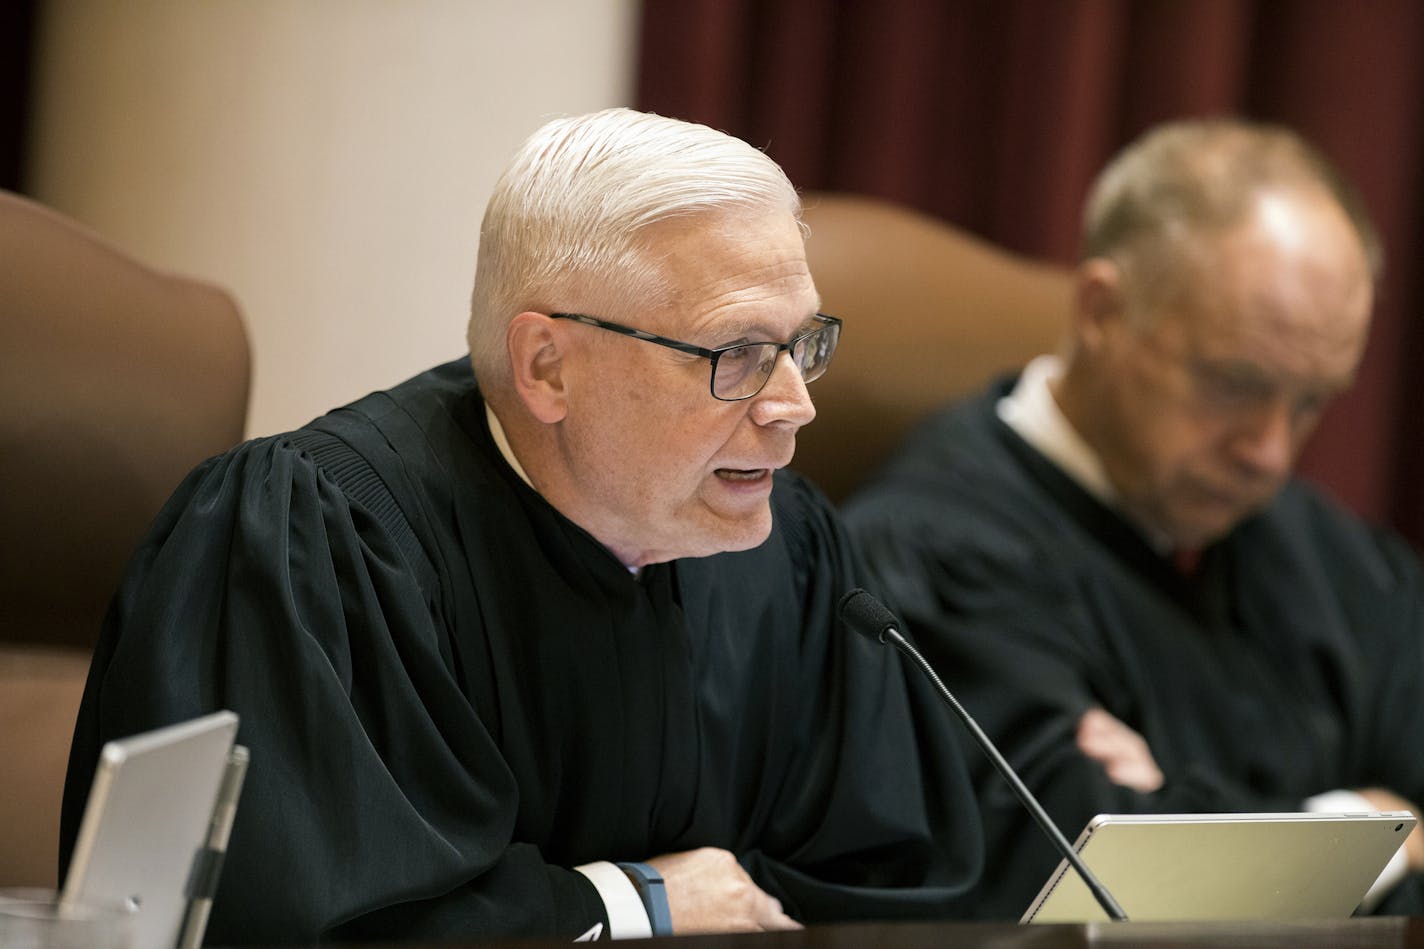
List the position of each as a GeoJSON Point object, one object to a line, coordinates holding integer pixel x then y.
{"type": "Point", "coordinates": [743, 474]}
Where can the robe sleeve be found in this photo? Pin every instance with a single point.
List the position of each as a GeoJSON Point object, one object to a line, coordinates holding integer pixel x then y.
{"type": "Point", "coordinates": [1028, 649]}
{"type": "Point", "coordinates": [1378, 582]}
{"type": "Point", "coordinates": [1388, 615]}
{"type": "Point", "coordinates": [376, 804]}
{"type": "Point", "coordinates": [1014, 637]}
{"type": "Point", "coordinates": [1010, 636]}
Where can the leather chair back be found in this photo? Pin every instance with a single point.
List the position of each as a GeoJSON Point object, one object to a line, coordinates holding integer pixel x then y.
{"type": "Point", "coordinates": [115, 380]}
{"type": "Point", "coordinates": [931, 313]}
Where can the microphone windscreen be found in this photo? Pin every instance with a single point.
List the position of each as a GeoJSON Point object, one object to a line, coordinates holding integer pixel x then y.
{"type": "Point", "coordinates": [866, 615]}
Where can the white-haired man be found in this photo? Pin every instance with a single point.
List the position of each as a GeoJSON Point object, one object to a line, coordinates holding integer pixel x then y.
{"type": "Point", "coordinates": [550, 647]}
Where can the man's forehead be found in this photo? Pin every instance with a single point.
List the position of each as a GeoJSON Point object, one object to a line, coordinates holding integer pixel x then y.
{"type": "Point", "coordinates": [1285, 355]}
{"type": "Point", "coordinates": [707, 245]}
{"type": "Point", "coordinates": [745, 274]}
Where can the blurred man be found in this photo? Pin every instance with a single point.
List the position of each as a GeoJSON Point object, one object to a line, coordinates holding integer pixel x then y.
{"type": "Point", "coordinates": [551, 647]}
{"type": "Point", "coordinates": [1108, 557]}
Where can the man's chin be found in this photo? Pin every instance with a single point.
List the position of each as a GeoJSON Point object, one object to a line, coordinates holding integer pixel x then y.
{"type": "Point", "coordinates": [723, 538]}
{"type": "Point", "coordinates": [1201, 532]}
{"type": "Point", "coordinates": [741, 533]}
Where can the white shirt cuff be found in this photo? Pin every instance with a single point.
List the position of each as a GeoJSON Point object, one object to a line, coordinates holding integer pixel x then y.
{"type": "Point", "coordinates": [627, 918]}
{"type": "Point", "coordinates": [1348, 802]}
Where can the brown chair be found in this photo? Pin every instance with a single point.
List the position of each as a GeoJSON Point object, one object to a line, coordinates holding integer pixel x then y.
{"type": "Point", "coordinates": [115, 380]}
{"type": "Point", "coordinates": [39, 695]}
{"type": "Point", "coordinates": [931, 313]}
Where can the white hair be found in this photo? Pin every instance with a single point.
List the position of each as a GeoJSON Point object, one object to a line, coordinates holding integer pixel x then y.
{"type": "Point", "coordinates": [564, 227]}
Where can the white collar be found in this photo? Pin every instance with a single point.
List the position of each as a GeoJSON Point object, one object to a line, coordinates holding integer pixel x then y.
{"type": "Point", "coordinates": [1033, 413]}
{"type": "Point", "coordinates": [501, 441]}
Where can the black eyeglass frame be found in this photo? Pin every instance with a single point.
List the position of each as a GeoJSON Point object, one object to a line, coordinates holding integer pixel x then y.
{"type": "Point", "coordinates": [824, 322]}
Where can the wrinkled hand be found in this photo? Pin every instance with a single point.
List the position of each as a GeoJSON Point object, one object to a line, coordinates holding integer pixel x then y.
{"type": "Point", "coordinates": [709, 892]}
{"type": "Point", "coordinates": [1122, 752]}
{"type": "Point", "coordinates": [1384, 800]}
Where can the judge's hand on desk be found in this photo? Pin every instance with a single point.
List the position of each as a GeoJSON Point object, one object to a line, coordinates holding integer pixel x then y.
{"type": "Point", "coordinates": [1122, 752]}
{"type": "Point", "coordinates": [709, 892]}
{"type": "Point", "coordinates": [1383, 800]}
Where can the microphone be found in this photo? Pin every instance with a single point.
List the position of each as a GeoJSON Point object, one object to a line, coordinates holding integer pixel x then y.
{"type": "Point", "coordinates": [870, 618]}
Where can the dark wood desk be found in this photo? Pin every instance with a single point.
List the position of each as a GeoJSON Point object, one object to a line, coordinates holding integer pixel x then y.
{"type": "Point", "coordinates": [1393, 932]}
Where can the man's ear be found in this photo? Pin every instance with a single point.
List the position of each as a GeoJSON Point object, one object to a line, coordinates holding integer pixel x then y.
{"type": "Point", "coordinates": [1099, 302]}
{"type": "Point", "coordinates": [536, 354]}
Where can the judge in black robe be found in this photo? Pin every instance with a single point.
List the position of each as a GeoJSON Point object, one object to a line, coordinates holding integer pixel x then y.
{"type": "Point", "coordinates": [1114, 567]}
{"type": "Point", "coordinates": [1290, 664]}
{"type": "Point", "coordinates": [454, 694]}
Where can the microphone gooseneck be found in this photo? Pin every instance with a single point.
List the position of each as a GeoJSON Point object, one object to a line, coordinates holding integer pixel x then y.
{"type": "Point", "coordinates": [870, 618]}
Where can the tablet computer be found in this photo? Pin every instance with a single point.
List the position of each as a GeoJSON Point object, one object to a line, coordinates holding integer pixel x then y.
{"type": "Point", "coordinates": [1224, 866]}
{"type": "Point", "coordinates": [143, 839]}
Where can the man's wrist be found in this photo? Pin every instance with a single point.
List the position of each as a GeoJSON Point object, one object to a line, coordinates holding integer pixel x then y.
{"type": "Point", "coordinates": [649, 884]}
{"type": "Point", "coordinates": [622, 903]}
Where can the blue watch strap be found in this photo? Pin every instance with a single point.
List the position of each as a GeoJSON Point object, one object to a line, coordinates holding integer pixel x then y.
{"type": "Point", "coordinates": [649, 884]}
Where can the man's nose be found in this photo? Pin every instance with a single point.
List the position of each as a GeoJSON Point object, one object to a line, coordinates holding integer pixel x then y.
{"type": "Point", "coordinates": [784, 398]}
{"type": "Point", "coordinates": [1266, 442]}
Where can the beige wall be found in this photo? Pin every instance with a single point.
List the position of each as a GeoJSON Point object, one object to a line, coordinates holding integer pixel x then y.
{"type": "Point", "coordinates": [326, 160]}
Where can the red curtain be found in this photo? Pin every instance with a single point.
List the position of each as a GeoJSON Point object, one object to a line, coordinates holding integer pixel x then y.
{"type": "Point", "coordinates": [996, 114]}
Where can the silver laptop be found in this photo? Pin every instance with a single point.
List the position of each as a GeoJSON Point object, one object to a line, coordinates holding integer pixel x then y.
{"type": "Point", "coordinates": [146, 836]}
{"type": "Point", "coordinates": [1224, 866]}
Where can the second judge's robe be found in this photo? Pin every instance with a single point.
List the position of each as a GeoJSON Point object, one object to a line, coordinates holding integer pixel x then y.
{"type": "Point", "coordinates": [1290, 663]}
{"type": "Point", "coordinates": [453, 702]}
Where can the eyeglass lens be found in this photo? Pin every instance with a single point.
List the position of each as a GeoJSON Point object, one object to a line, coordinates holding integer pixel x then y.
{"type": "Point", "coordinates": [741, 372]}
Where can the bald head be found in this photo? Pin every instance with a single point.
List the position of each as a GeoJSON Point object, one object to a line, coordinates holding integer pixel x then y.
{"type": "Point", "coordinates": [1184, 185]}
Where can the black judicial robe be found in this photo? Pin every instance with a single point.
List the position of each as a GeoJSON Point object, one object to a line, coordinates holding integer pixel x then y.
{"type": "Point", "coordinates": [451, 705]}
{"type": "Point", "coordinates": [1291, 664]}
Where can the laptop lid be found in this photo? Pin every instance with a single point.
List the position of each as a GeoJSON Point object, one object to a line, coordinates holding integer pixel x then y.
{"type": "Point", "coordinates": [1224, 866]}
{"type": "Point", "coordinates": [146, 824]}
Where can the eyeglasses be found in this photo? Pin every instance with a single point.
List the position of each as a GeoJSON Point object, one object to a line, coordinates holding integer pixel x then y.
{"type": "Point", "coordinates": [741, 371]}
